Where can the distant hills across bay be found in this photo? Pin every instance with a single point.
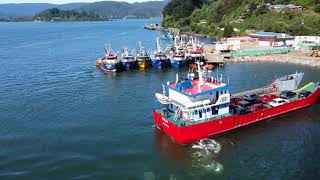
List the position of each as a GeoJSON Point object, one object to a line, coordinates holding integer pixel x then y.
{"type": "Point", "coordinates": [105, 9]}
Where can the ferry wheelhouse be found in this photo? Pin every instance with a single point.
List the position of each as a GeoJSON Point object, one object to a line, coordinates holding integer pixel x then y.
{"type": "Point", "coordinates": [196, 108]}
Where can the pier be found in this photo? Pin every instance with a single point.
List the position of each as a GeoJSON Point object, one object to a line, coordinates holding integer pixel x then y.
{"type": "Point", "coordinates": [213, 57]}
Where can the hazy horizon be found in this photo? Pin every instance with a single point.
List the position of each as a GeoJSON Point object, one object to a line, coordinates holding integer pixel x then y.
{"type": "Point", "coordinates": [65, 1]}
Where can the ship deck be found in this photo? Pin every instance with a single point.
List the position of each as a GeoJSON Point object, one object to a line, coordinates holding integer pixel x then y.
{"type": "Point", "coordinates": [177, 120]}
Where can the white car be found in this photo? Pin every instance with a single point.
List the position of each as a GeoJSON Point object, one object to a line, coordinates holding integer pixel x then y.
{"type": "Point", "coordinates": [278, 102]}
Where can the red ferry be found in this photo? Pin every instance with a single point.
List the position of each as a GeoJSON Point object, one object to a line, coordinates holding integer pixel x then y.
{"type": "Point", "coordinates": [197, 108]}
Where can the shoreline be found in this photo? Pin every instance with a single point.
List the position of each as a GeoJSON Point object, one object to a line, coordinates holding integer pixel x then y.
{"type": "Point", "coordinates": [288, 58]}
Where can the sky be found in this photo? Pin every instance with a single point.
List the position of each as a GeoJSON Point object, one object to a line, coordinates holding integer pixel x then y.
{"type": "Point", "coordinates": [60, 1]}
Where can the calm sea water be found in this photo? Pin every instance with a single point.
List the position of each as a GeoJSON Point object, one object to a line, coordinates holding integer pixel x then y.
{"type": "Point", "coordinates": [61, 118]}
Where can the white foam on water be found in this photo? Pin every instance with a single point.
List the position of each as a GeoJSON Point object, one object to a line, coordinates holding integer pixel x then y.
{"type": "Point", "coordinates": [208, 146]}
{"type": "Point", "coordinates": [149, 176]}
{"type": "Point", "coordinates": [203, 157]}
{"type": "Point", "coordinates": [215, 167]}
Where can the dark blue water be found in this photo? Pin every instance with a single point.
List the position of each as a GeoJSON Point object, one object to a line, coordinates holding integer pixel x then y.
{"type": "Point", "coordinates": [61, 118]}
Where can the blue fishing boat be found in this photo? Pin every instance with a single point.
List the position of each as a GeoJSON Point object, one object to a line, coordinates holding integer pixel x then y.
{"type": "Point", "coordinates": [177, 55]}
{"type": "Point", "coordinates": [177, 59]}
{"type": "Point", "coordinates": [128, 60]}
{"type": "Point", "coordinates": [159, 59]}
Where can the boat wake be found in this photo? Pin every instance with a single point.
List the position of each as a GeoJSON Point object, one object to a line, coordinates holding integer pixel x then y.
{"type": "Point", "coordinates": [208, 146]}
{"type": "Point", "coordinates": [204, 156]}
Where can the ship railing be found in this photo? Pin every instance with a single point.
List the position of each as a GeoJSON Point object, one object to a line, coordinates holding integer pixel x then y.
{"type": "Point", "coordinates": [176, 119]}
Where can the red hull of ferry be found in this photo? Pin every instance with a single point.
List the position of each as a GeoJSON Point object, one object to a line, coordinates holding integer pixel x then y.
{"type": "Point", "coordinates": [193, 133]}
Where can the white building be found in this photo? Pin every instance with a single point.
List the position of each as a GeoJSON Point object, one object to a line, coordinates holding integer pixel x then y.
{"type": "Point", "coordinates": [305, 41]}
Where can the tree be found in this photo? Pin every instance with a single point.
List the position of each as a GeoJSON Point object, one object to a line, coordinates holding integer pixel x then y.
{"type": "Point", "coordinates": [317, 8]}
{"type": "Point", "coordinates": [228, 30]}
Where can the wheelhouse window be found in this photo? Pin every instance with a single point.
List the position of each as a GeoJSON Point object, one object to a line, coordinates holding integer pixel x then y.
{"type": "Point", "coordinates": [214, 110]}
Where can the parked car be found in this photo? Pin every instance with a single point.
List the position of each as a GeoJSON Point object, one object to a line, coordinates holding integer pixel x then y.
{"type": "Point", "coordinates": [257, 107]}
{"type": "Point", "coordinates": [251, 96]}
{"type": "Point", "coordinates": [278, 102]}
{"type": "Point", "coordinates": [268, 97]}
{"type": "Point", "coordinates": [233, 108]}
{"type": "Point", "coordinates": [287, 94]}
{"type": "Point", "coordinates": [242, 110]}
{"type": "Point", "coordinates": [254, 101]}
{"type": "Point", "coordinates": [243, 103]}
{"type": "Point", "coordinates": [234, 100]}
{"type": "Point", "coordinates": [304, 94]}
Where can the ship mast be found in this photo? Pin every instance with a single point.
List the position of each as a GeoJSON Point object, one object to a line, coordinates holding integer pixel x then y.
{"type": "Point", "coordinates": [158, 45]}
{"type": "Point", "coordinates": [200, 76]}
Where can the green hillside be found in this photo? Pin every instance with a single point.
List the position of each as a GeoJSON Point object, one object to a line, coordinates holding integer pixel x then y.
{"type": "Point", "coordinates": [56, 14]}
{"type": "Point", "coordinates": [112, 9]}
{"type": "Point", "coordinates": [107, 9]}
{"type": "Point", "coordinates": [220, 17]}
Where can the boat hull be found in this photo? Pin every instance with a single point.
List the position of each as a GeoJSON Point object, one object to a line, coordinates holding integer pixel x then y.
{"type": "Point", "coordinates": [143, 64]}
{"type": "Point", "coordinates": [160, 64]}
{"type": "Point", "coordinates": [110, 68]}
{"type": "Point", "coordinates": [129, 65]}
{"type": "Point", "coordinates": [196, 132]}
{"type": "Point", "coordinates": [177, 63]}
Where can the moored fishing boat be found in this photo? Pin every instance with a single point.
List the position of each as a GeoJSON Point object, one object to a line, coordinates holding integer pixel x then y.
{"type": "Point", "coordinates": [177, 55]}
{"type": "Point", "coordinates": [109, 62]}
{"type": "Point", "coordinates": [177, 59]}
{"type": "Point", "coordinates": [143, 58]}
{"type": "Point", "coordinates": [128, 61]}
{"type": "Point", "coordinates": [196, 108]}
{"type": "Point", "coordinates": [159, 59]}
{"type": "Point", "coordinates": [194, 52]}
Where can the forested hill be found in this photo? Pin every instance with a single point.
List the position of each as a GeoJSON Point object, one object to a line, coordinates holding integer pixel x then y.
{"type": "Point", "coordinates": [55, 14]}
{"type": "Point", "coordinates": [113, 9]}
{"type": "Point", "coordinates": [107, 9]}
{"type": "Point", "coordinates": [28, 10]}
{"type": "Point", "coordinates": [221, 17]}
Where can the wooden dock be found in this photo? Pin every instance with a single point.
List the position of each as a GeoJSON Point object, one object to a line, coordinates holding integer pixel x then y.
{"type": "Point", "coordinates": [211, 56]}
